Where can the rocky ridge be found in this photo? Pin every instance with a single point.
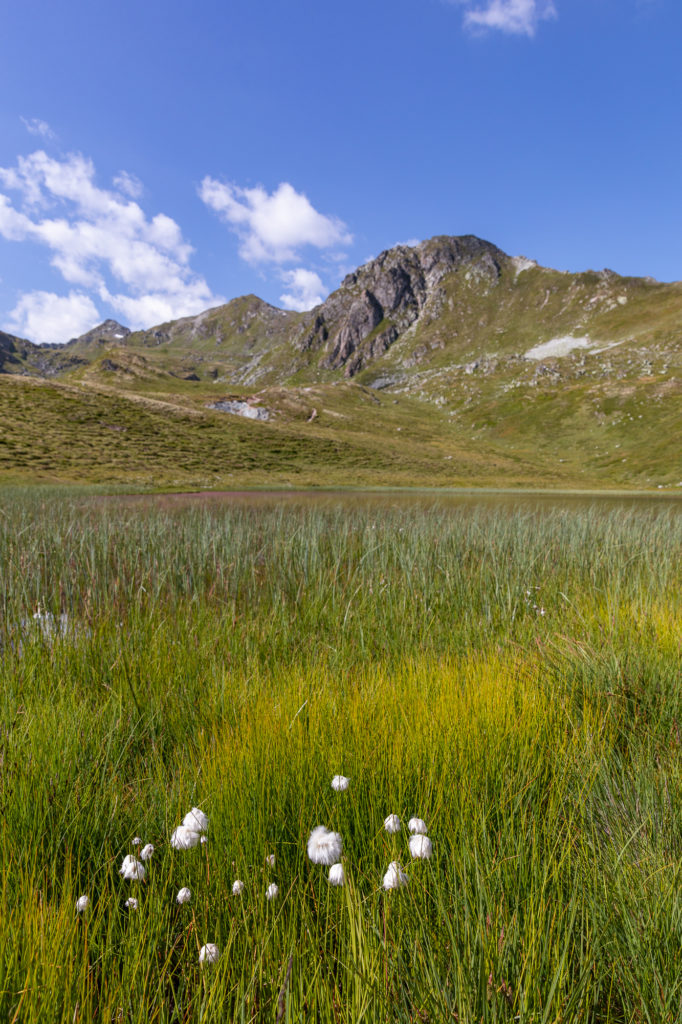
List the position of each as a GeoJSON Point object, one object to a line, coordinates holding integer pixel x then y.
{"type": "Point", "coordinates": [382, 299]}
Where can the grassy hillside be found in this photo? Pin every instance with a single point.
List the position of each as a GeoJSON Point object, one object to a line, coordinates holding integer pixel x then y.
{"type": "Point", "coordinates": [477, 369]}
{"type": "Point", "coordinates": [337, 435]}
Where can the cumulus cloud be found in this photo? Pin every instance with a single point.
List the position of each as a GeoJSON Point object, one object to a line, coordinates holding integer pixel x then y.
{"type": "Point", "coordinates": [305, 289]}
{"type": "Point", "coordinates": [46, 317]}
{"type": "Point", "coordinates": [101, 240]}
{"type": "Point", "coordinates": [517, 17]}
{"type": "Point", "coordinates": [272, 227]}
{"type": "Point", "coordinates": [129, 184]}
{"type": "Point", "coordinates": [34, 126]}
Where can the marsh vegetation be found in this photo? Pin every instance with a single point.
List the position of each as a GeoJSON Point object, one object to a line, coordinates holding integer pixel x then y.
{"type": "Point", "coordinates": [511, 679]}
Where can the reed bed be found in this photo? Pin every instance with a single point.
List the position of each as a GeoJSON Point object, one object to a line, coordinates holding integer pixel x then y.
{"type": "Point", "coordinates": [513, 679]}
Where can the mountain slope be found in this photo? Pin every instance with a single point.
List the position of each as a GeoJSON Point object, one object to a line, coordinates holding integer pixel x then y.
{"type": "Point", "coordinates": [512, 372]}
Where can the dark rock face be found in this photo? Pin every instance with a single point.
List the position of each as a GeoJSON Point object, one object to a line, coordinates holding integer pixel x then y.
{"type": "Point", "coordinates": [364, 315]}
{"type": "Point", "coordinates": [15, 353]}
{"type": "Point", "coordinates": [382, 299]}
{"type": "Point", "coordinates": [8, 351]}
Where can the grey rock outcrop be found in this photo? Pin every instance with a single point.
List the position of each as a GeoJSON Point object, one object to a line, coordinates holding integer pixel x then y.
{"type": "Point", "coordinates": [382, 299]}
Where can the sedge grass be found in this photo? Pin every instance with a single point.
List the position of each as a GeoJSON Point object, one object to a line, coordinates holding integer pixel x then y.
{"type": "Point", "coordinates": [237, 660]}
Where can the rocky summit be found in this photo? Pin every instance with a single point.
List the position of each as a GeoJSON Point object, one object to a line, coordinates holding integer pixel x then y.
{"type": "Point", "coordinates": [444, 362]}
{"type": "Point", "coordinates": [381, 300]}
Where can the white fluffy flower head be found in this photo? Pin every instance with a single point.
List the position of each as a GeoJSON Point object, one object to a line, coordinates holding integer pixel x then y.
{"type": "Point", "coordinates": [184, 895]}
{"type": "Point", "coordinates": [324, 847]}
{"type": "Point", "coordinates": [82, 903]}
{"type": "Point", "coordinates": [272, 891]}
{"type": "Point", "coordinates": [237, 887]}
{"type": "Point", "coordinates": [421, 847]}
{"type": "Point", "coordinates": [340, 783]}
{"type": "Point", "coordinates": [395, 877]}
{"type": "Point", "coordinates": [209, 954]}
{"type": "Point", "coordinates": [131, 869]}
{"type": "Point", "coordinates": [196, 820]}
{"type": "Point", "coordinates": [270, 860]}
{"type": "Point", "coordinates": [184, 838]}
{"type": "Point", "coordinates": [136, 841]}
{"type": "Point", "coordinates": [336, 874]}
{"type": "Point", "coordinates": [131, 903]}
{"type": "Point", "coordinates": [392, 824]}
{"type": "Point", "coordinates": [146, 852]}
{"type": "Point", "coordinates": [417, 826]}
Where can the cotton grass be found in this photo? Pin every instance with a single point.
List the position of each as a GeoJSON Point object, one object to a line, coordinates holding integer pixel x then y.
{"type": "Point", "coordinates": [417, 826]}
{"type": "Point", "coordinates": [392, 824]}
{"type": "Point", "coordinates": [337, 875]}
{"type": "Point", "coordinates": [132, 870]}
{"type": "Point", "coordinates": [184, 838]}
{"type": "Point", "coordinates": [209, 954]}
{"type": "Point", "coordinates": [420, 847]}
{"type": "Point", "coordinates": [395, 877]}
{"type": "Point", "coordinates": [324, 847]}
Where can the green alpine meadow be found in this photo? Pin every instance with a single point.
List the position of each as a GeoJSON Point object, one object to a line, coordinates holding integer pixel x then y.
{"type": "Point", "coordinates": [341, 512]}
{"type": "Point", "coordinates": [349, 759]}
{"type": "Point", "coordinates": [442, 364]}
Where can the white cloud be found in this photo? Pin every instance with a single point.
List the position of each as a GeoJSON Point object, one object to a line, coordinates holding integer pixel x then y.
{"type": "Point", "coordinates": [101, 239]}
{"type": "Point", "coordinates": [46, 317]}
{"type": "Point", "coordinates": [272, 227]}
{"type": "Point", "coordinates": [34, 126]}
{"type": "Point", "coordinates": [306, 289]}
{"type": "Point", "coordinates": [518, 17]}
{"type": "Point", "coordinates": [159, 307]}
{"type": "Point", "coordinates": [129, 184]}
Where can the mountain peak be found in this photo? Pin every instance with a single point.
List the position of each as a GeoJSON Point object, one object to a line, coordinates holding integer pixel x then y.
{"type": "Point", "coordinates": [383, 298]}
{"type": "Point", "coordinates": [106, 332]}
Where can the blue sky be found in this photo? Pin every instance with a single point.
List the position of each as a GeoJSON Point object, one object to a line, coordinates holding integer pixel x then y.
{"type": "Point", "coordinates": [160, 158]}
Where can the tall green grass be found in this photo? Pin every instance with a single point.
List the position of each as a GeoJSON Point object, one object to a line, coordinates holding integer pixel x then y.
{"type": "Point", "coordinates": [238, 658]}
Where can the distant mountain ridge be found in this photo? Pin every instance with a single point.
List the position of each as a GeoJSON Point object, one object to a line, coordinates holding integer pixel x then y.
{"type": "Point", "coordinates": [450, 346]}
{"type": "Point", "coordinates": [440, 293]}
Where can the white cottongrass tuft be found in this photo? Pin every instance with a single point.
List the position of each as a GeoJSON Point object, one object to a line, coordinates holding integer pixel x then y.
{"type": "Point", "coordinates": [184, 838]}
{"type": "Point", "coordinates": [395, 877]}
{"type": "Point", "coordinates": [336, 874]}
{"type": "Point", "coordinates": [324, 847]}
{"type": "Point", "coordinates": [417, 826]}
{"type": "Point", "coordinates": [392, 824]}
{"type": "Point", "coordinates": [204, 839]}
{"type": "Point", "coordinates": [272, 891]}
{"type": "Point", "coordinates": [340, 783]}
{"type": "Point", "coordinates": [421, 847]}
{"type": "Point", "coordinates": [131, 869]}
{"type": "Point", "coordinates": [82, 903]}
{"type": "Point", "coordinates": [238, 887]}
{"type": "Point", "coordinates": [209, 954]}
{"type": "Point", "coordinates": [270, 860]}
{"type": "Point", "coordinates": [136, 841]}
{"type": "Point", "coordinates": [131, 904]}
{"type": "Point", "coordinates": [184, 895]}
{"type": "Point", "coordinates": [146, 852]}
{"type": "Point", "coordinates": [196, 820]}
